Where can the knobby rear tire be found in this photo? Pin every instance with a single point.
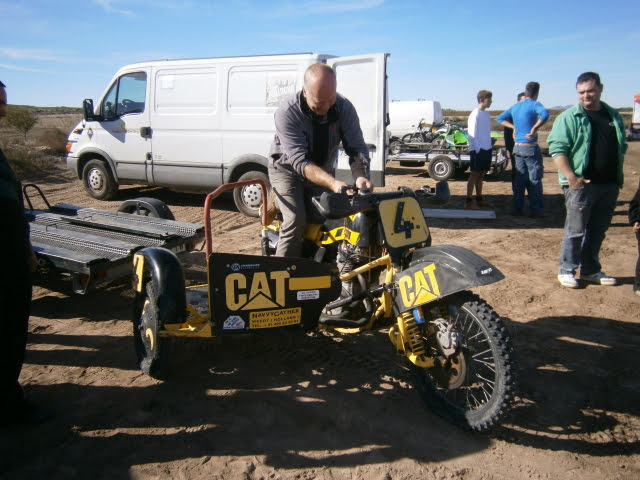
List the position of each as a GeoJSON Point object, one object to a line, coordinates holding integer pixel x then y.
{"type": "Point", "coordinates": [150, 347]}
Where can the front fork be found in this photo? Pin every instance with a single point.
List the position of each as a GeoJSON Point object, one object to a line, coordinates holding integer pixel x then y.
{"type": "Point", "coordinates": [406, 336]}
{"type": "Point", "coordinates": [409, 336]}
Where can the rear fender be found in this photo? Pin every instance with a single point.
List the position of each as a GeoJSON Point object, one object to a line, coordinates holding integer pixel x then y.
{"type": "Point", "coordinates": [436, 272]}
{"type": "Point", "coordinates": [163, 267]}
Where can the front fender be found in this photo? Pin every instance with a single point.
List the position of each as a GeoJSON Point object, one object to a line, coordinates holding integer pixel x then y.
{"type": "Point", "coordinates": [162, 267]}
{"type": "Point", "coordinates": [243, 163]}
{"type": "Point", "coordinates": [435, 272]}
{"type": "Point", "coordinates": [91, 152]}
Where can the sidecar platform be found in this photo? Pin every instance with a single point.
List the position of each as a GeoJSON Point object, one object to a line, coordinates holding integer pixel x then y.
{"type": "Point", "coordinates": [95, 246]}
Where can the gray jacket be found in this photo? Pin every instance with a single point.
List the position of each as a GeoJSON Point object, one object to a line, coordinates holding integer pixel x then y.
{"type": "Point", "coordinates": [293, 146]}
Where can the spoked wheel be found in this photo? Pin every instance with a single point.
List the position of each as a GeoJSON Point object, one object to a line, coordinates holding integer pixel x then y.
{"type": "Point", "coordinates": [150, 347]}
{"type": "Point", "coordinates": [474, 387]}
{"type": "Point", "coordinates": [412, 138]}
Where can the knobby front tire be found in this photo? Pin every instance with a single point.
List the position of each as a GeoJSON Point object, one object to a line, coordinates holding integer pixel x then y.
{"type": "Point", "coordinates": [489, 386]}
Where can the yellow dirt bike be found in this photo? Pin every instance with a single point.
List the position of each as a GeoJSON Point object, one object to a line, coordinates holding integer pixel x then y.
{"type": "Point", "coordinates": [369, 265]}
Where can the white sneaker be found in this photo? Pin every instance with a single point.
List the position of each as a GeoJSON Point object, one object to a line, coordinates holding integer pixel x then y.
{"type": "Point", "coordinates": [600, 278]}
{"type": "Point", "coordinates": [568, 280]}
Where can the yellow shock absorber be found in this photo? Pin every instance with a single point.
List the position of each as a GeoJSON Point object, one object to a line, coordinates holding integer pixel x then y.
{"type": "Point", "coordinates": [411, 334]}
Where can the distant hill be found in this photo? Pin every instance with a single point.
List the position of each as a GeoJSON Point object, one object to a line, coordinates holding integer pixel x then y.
{"type": "Point", "coordinates": [51, 110]}
{"type": "Point", "coordinates": [560, 108]}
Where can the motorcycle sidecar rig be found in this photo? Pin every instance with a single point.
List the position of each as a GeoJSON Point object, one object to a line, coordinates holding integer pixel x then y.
{"type": "Point", "coordinates": [245, 293]}
{"type": "Point", "coordinates": [386, 271]}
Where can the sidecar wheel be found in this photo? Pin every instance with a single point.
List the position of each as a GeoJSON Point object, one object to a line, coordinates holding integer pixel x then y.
{"type": "Point", "coordinates": [150, 347]}
{"type": "Point", "coordinates": [476, 387]}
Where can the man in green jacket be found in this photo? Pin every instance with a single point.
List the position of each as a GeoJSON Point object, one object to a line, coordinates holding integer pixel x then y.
{"type": "Point", "coordinates": [587, 143]}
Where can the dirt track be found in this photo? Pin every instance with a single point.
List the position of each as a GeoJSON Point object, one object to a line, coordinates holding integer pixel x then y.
{"type": "Point", "coordinates": [339, 407]}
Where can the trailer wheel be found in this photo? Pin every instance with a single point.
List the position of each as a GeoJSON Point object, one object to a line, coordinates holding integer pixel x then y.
{"type": "Point", "coordinates": [150, 347]}
{"type": "Point", "coordinates": [98, 180]}
{"type": "Point", "coordinates": [441, 168]}
{"type": "Point", "coordinates": [248, 199]}
{"type": "Point", "coordinates": [148, 207]}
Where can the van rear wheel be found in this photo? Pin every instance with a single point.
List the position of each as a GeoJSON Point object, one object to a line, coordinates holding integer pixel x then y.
{"type": "Point", "coordinates": [248, 199]}
{"type": "Point", "coordinates": [98, 180]}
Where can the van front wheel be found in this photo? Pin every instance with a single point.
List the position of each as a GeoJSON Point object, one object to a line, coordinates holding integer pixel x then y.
{"type": "Point", "coordinates": [248, 199]}
{"type": "Point", "coordinates": [98, 180]}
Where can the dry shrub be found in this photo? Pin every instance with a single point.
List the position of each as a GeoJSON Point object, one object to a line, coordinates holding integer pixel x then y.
{"type": "Point", "coordinates": [54, 139]}
{"type": "Point", "coordinates": [25, 159]}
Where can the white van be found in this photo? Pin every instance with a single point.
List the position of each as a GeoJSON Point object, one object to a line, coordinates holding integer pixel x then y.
{"type": "Point", "coordinates": [634, 128]}
{"type": "Point", "coordinates": [192, 125]}
{"type": "Point", "coordinates": [405, 117]}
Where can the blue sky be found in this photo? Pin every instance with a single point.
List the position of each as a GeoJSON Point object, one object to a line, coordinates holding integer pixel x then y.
{"type": "Point", "coordinates": [58, 52]}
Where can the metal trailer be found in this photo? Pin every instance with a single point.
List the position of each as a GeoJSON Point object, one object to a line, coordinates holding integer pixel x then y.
{"type": "Point", "coordinates": [442, 163]}
{"type": "Point", "coordinates": [95, 246]}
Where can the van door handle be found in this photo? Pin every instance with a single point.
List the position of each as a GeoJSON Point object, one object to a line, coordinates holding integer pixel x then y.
{"type": "Point", "coordinates": [145, 132]}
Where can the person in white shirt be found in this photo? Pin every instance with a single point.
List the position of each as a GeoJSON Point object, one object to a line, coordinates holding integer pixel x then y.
{"type": "Point", "coordinates": [479, 131]}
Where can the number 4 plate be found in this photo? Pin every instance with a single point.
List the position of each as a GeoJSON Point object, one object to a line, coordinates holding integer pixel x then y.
{"type": "Point", "coordinates": [403, 222]}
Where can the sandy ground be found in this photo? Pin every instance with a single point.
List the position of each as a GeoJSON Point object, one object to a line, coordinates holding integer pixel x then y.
{"type": "Point", "coordinates": [339, 407]}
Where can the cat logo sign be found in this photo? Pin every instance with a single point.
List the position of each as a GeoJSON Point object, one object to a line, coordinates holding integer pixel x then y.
{"type": "Point", "coordinates": [419, 288]}
{"type": "Point", "coordinates": [262, 293]}
{"type": "Point", "coordinates": [267, 289]}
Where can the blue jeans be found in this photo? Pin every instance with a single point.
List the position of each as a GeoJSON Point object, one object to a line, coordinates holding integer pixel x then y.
{"type": "Point", "coordinates": [528, 171]}
{"type": "Point", "coordinates": [589, 213]}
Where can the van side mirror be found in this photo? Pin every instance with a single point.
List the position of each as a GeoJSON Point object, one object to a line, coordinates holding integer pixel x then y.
{"type": "Point", "coordinates": [87, 107]}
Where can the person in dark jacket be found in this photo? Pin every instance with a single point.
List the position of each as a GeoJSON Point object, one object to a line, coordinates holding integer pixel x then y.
{"type": "Point", "coordinates": [17, 262]}
{"type": "Point", "coordinates": [310, 126]}
{"type": "Point", "coordinates": [510, 142]}
{"type": "Point", "coordinates": [634, 219]}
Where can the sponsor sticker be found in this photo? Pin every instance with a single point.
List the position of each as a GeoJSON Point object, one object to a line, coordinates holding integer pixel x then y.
{"type": "Point", "coordinates": [233, 323]}
{"type": "Point", "coordinates": [308, 294]}
{"type": "Point", "coordinates": [275, 318]}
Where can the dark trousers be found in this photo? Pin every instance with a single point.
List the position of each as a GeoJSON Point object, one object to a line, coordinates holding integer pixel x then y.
{"type": "Point", "coordinates": [636, 282]}
{"type": "Point", "coordinates": [15, 301]}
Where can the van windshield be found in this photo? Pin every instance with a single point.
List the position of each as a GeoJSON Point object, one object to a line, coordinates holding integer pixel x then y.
{"type": "Point", "coordinates": [126, 96]}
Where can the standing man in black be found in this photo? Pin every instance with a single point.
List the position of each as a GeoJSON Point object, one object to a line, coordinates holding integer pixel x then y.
{"type": "Point", "coordinates": [17, 262]}
{"type": "Point", "coordinates": [510, 142]}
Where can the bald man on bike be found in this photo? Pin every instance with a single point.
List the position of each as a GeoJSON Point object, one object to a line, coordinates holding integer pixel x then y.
{"type": "Point", "coordinates": [310, 126]}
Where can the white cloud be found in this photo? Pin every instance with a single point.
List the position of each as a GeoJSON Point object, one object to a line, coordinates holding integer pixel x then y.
{"type": "Point", "coordinates": [21, 69]}
{"type": "Point", "coordinates": [108, 6]}
{"type": "Point", "coordinates": [315, 7]}
{"type": "Point", "coordinates": [554, 40]}
{"type": "Point", "coordinates": [31, 54]}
